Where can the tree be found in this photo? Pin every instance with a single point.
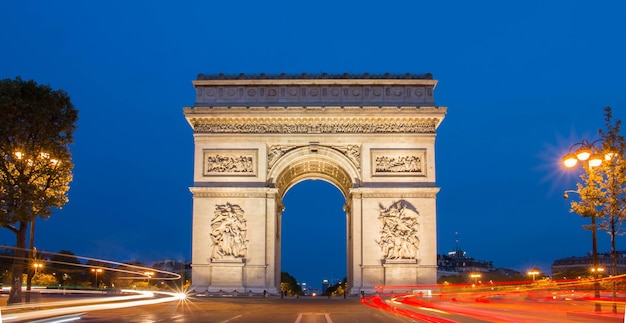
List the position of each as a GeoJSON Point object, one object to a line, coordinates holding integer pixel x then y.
{"type": "Point", "coordinates": [66, 267]}
{"type": "Point", "coordinates": [613, 184]}
{"type": "Point", "coordinates": [36, 129]}
{"type": "Point", "coordinates": [289, 285]}
{"type": "Point", "coordinates": [603, 189]}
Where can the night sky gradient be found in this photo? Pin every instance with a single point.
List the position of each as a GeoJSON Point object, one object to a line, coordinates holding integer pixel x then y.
{"type": "Point", "coordinates": [522, 81]}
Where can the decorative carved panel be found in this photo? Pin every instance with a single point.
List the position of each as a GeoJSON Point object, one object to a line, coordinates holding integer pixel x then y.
{"type": "Point", "coordinates": [230, 162]}
{"type": "Point", "coordinates": [315, 125]}
{"type": "Point", "coordinates": [229, 232]}
{"type": "Point", "coordinates": [399, 231]}
{"type": "Point", "coordinates": [398, 162]}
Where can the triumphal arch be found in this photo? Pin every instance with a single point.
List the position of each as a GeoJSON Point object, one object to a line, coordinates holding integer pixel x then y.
{"type": "Point", "coordinates": [371, 136]}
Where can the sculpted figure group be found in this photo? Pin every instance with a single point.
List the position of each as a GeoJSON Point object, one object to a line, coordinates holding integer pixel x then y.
{"type": "Point", "coordinates": [228, 232]}
{"type": "Point", "coordinates": [398, 235]}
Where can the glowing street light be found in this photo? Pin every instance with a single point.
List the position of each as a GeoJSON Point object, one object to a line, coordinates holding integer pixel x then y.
{"type": "Point", "coordinates": [533, 273]}
{"type": "Point", "coordinates": [96, 271]}
{"type": "Point", "coordinates": [475, 276]}
{"type": "Point", "coordinates": [597, 270]}
{"type": "Point", "coordinates": [149, 274]}
{"type": "Point", "coordinates": [590, 155]}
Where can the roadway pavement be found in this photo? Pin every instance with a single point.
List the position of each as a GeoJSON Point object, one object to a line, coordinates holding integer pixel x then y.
{"type": "Point", "coordinates": [251, 309]}
{"type": "Point", "coordinates": [244, 308]}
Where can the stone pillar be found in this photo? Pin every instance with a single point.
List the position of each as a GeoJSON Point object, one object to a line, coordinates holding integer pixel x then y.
{"type": "Point", "coordinates": [355, 251]}
{"type": "Point", "coordinates": [273, 210]}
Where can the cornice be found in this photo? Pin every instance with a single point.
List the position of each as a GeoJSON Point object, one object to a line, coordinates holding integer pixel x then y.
{"type": "Point", "coordinates": [318, 125]}
{"type": "Point", "coordinates": [226, 192]}
{"type": "Point", "coordinates": [426, 192]}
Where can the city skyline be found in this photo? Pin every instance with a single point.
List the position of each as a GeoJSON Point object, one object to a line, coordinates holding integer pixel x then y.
{"type": "Point", "coordinates": [522, 83]}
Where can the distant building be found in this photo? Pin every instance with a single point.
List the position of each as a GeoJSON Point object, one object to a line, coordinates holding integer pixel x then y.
{"type": "Point", "coordinates": [456, 262]}
{"type": "Point", "coordinates": [574, 267]}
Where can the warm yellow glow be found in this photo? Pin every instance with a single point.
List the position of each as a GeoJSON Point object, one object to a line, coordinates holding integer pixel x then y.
{"type": "Point", "coordinates": [570, 160]}
{"type": "Point", "coordinates": [597, 269]}
{"type": "Point", "coordinates": [475, 275]}
{"type": "Point", "coordinates": [44, 155]}
{"type": "Point", "coordinates": [149, 273]}
{"type": "Point", "coordinates": [595, 160]}
{"type": "Point", "coordinates": [609, 155]}
{"type": "Point", "coordinates": [19, 154]}
{"type": "Point", "coordinates": [37, 265]}
{"type": "Point", "coordinates": [99, 270]}
{"type": "Point", "coordinates": [583, 153]}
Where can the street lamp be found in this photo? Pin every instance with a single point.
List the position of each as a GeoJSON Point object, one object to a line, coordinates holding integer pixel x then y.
{"type": "Point", "coordinates": [96, 271]}
{"type": "Point", "coordinates": [149, 274]}
{"type": "Point", "coordinates": [37, 266]}
{"type": "Point", "coordinates": [533, 273]}
{"type": "Point", "coordinates": [590, 155]}
{"type": "Point", "coordinates": [597, 271]}
{"type": "Point", "coordinates": [475, 276]}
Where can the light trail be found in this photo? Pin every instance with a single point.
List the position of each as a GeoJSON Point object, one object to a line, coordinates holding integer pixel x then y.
{"type": "Point", "coordinates": [71, 307]}
{"type": "Point", "coordinates": [137, 272]}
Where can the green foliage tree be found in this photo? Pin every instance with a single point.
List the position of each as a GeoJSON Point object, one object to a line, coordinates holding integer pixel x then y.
{"type": "Point", "coordinates": [36, 129]}
{"type": "Point", "coordinates": [289, 285]}
{"type": "Point", "coordinates": [612, 181]}
{"type": "Point", "coordinates": [603, 188]}
{"type": "Point", "coordinates": [613, 184]}
{"type": "Point", "coordinates": [66, 267]}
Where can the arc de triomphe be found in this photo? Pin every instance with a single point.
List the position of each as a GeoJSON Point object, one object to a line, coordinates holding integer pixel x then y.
{"type": "Point", "coordinates": [371, 136]}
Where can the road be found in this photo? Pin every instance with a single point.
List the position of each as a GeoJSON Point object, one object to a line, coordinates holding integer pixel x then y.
{"type": "Point", "coordinates": [242, 310]}
{"type": "Point", "coordinates": [167, 307]}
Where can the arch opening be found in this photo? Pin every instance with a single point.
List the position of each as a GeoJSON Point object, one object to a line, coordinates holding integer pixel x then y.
{"type": "Point", "coordinates": [314, 236]}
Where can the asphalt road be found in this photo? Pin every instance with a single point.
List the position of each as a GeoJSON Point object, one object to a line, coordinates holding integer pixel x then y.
{"type": "Point", "coordinates": [242, 310]}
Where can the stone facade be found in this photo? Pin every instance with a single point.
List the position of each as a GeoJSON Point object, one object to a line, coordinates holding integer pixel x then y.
{"type": "Point", "coordinates": [373, 137]}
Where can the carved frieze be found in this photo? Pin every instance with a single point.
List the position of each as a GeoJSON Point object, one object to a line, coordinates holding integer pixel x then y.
{"type": "Point", "coordinates": [398, 162]}
{"type": "Point", "coordinates": [228, 232]}
{"type": "Point", "coordinates": [352, 152]}
{"type": "Point", "coordinates": [327, 126]}
{"type": "Point", "coordinates": [399, 231]}
{"type": "Point", "coordinates": [233, 162]}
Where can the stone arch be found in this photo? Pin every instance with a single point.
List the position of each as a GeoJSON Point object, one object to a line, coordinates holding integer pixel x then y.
{"type": "Point", "coordinates": [255, 137]}
{"type": "Point", "coordinates": [313, 163]}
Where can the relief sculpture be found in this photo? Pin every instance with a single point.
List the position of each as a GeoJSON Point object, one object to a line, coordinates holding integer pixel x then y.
{"type": "Point", "coordinates": [398, 164]}
{"type": "Point", "coordinates": [275, 152]}
{"type": "Point", "coordinates": [228, 232]}
{"type": "Point", "coordinates": [229, 164]}
{"type": "Point", "coordinates": [353, 152]}
{"type": "Point", "coordinates": [398, 235]}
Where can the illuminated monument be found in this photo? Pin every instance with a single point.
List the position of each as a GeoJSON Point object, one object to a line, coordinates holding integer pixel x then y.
{"type": "Point", "coordinates": [256, 136]}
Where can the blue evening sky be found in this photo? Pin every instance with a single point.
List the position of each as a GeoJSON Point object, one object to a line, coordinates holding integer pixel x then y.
{"type": "Point", "coordinates": [522, 82]}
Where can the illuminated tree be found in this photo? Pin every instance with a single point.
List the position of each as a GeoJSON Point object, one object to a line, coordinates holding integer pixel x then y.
{"type": "Point", "coordinates": [603, 188]}
{"type": "Point", "coordinates": [613, 185]}
{"type": "Point", "coordinates": [36, 129]}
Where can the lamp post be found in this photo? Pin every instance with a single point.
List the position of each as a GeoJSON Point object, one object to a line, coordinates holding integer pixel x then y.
{"type": "Point", "coordinates": [149, 274]}
{"type": "Point", "coordinates": [475, 276]}
{"type": "Point", "coordinates": [597, 271]}
{"type": "Point", "coordinates": [533, 273]}
{"type": "Point", "coordinates": [96, 271]}
{"type": "Point", "coordinates": [587, 153]}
